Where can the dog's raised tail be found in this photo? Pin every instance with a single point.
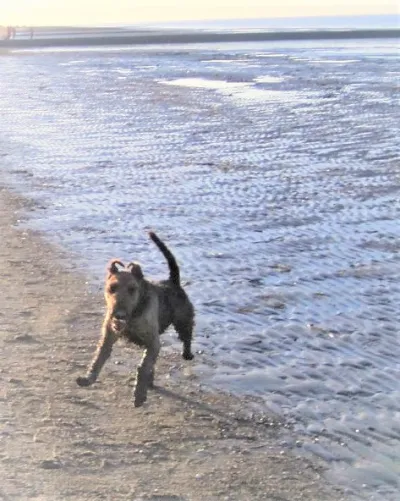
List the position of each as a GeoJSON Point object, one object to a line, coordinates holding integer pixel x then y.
{"type": "Point", "coordinates": [174, 274]}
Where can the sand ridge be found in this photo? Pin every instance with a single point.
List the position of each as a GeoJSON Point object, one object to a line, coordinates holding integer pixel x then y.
{"type": "Point", "coordinates": [90, 37]}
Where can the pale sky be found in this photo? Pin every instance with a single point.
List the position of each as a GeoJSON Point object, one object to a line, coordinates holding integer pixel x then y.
{"type": "Point", "coordinates": [70, 12]}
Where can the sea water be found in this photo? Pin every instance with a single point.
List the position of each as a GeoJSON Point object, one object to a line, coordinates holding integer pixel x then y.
{"type": "Point", "coordinates": [272, 171]}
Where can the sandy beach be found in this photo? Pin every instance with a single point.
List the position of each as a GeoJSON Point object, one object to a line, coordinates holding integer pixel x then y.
{"type": "Point", "coordinates": [60, 442]}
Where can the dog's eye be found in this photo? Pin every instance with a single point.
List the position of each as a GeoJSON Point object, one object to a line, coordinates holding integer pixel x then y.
{"type": "Point", "coordinates": [112, 289]}
{"type": "Point", "coordinates": [131, 290]}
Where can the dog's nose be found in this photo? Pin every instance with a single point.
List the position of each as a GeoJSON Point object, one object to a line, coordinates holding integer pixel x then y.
{"type": "Point", "coordinates": [120, 315]}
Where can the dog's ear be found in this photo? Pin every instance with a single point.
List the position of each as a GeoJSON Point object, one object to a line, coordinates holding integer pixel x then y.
{"type": "Point", "coordinates": [112, 266]}
{"type": "Point", "coordinates": [136, 270]}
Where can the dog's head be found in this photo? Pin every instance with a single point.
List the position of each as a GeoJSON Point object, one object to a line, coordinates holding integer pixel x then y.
{"type": "Point", "coordinates": [122, 291]}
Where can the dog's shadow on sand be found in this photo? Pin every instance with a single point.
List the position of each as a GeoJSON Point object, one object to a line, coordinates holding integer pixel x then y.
{"type": "Point", "coordinates": [190, 402]}
{"type": "Point", "coordinates": [226, 416]}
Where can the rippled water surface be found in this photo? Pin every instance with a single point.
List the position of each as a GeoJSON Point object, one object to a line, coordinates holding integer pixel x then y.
{"type": "Point", "coordinates": [273, 172]}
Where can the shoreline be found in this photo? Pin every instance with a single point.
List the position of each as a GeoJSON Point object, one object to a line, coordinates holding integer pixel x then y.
{"type": "Point", "coordinates": [196, 37]}
{"type": "Point", "coordinates": [61, 442]}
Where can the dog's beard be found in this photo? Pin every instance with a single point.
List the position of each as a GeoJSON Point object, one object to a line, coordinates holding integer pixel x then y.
{"type": "Point", "coordinates": [118, 325]}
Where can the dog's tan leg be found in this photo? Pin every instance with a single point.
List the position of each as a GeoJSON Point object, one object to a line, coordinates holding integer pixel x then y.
{"type": "Point", "coordinates": [103, 352]}
{"type": "Point", "coordinates": [145, 372]}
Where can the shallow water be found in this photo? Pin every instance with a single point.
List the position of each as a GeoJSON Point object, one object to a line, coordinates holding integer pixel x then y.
{"type": "Point", "coordinates": [272, 171]}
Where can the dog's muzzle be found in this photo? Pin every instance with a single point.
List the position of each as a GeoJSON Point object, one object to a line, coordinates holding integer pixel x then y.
{"type": "Point", "coordinates": [119, 320]}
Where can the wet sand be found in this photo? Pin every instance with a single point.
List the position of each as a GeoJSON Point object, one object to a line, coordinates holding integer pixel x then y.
{"type": "Point", "coordinates": [60, 442]}
{"type": "Point", "coordinates": [140, 37]}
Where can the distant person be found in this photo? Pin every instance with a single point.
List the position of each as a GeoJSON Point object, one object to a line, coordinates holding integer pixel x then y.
{"type": "Point", "coordinates": [8, 36]}
{"type": "Point", "coordinates": [31, 32]}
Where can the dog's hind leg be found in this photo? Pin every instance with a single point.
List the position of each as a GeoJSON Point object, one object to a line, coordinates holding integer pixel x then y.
{"type": "Point", "coordinates": [145, 372]}
{"type": "Point", "coordinates": [103, 352]}
{"type": "Point", "coordinates": [184, 328]}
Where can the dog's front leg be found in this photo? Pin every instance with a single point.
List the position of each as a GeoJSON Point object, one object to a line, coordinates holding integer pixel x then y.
{"type": "Point", "coordinates": [145, 372]}
{"type": "Point", "coordinates": [103, 352]}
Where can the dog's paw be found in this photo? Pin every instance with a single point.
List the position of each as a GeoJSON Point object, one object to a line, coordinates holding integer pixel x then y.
{"type": "Point", "coordinates": [139, 398]}
{"type": "Point", "coordinates": [83, 381]}
{"type": "Point", "coordinates": [139, 401]}
{"type": "Point", "coordinates": [188, 355]}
